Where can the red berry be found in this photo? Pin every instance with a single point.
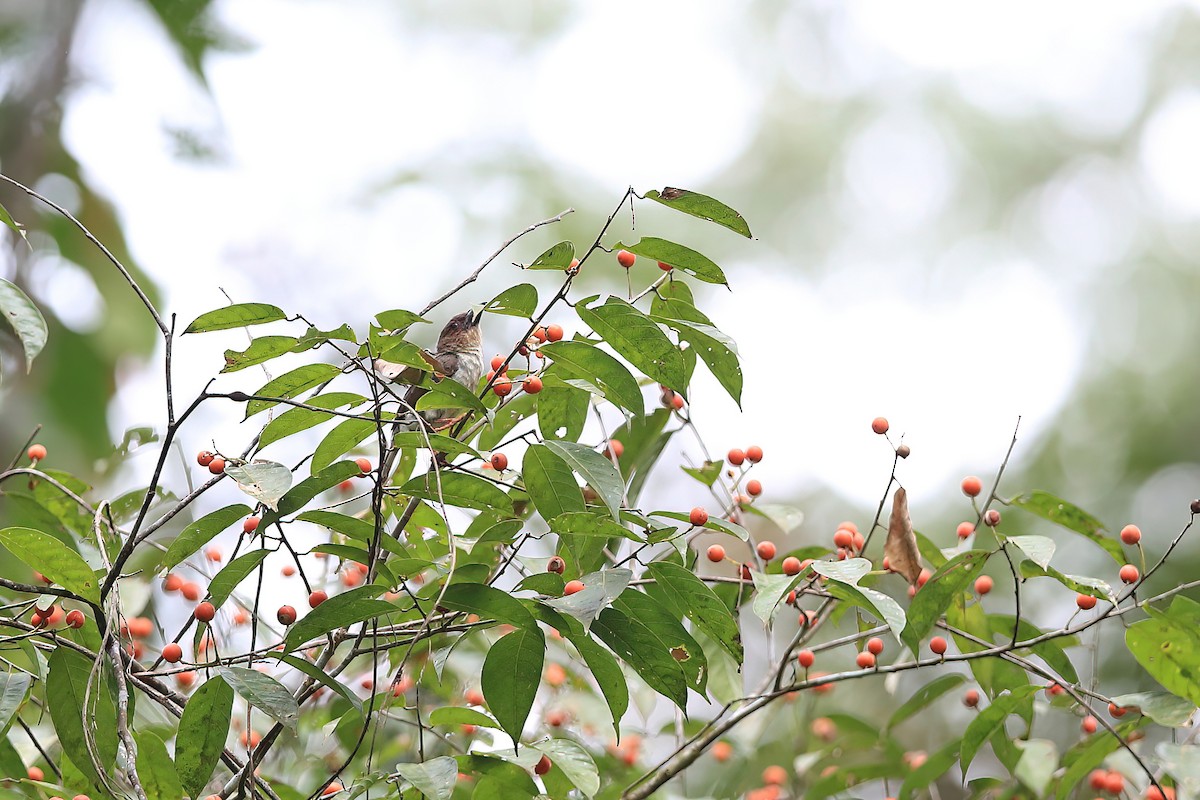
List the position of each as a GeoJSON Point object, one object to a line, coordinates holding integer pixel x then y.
{"type": "Point", "coordinates": [75, 618]}
{"type": "Point", "coordinates": [991, 518]}
{"type": "Point", "coordinates": [1089, 724]}
{"type": "Point", "coordinates": [698, 516]}
{"type": "Point", "coordinates": [664, 266]}
{"type": "Point", "coordinates": [774, 775]}
{"type": "Point", "coordinates": [554, 332]}
{"type": "Point", "coordinates": [677, 402]}
{"type": "Point", "coordinates": [938, 645]}
{"type": "Point", "coordinates": [625, 258]}
{"type": "Point", "coordinates": [539, 333]}
{"type": "Point", "coordinates": [746, 576]}
{"type": "Point", "coordinates": [615, 448]}
{"type": "Point", "coordinates": [965, 529]}
{"type": "Point", "coordinates": [250, 525]}
{"type": "Point", "coordinates": [865, 660]}
{"type": "Point", "coordinates": [1085, 601]}
{"type": "Point", "coordinates": [843, 538]}
{"type": "Point", "coordinates": [544, 763]}
{"type": "Point", "coordinates": [1098, 779]}
{"type": "Point", "coordinates": [286, 615]}
{"type": "Point", "coordinates": [288, 570]}
{"type": "Point", "coordinates": [972, 486]}
{"type": "Point", "coordinates": [880, 425]}
{"type": "Point", "coordinates": [190, 591]}
{"type": "Point", "coordinates": [806, 658]}
{"type": "Point", "coordinates": [316, 598]}
{"type": "Point", "coordinates": [754, 453]}
{"type": "Point", "coordinates": [791, 566]}
{"type": "Point", "coordinates": [532, 384]}
{"type": "Point", "coordinates": [736, 457]}
{"type": "Point", "coordinates": [716, 554]}
{"type": "Point", "coordinates": [753, 488]}
{"type": "Point", "coordinates": [172, 652]}
{"type": "Point", "coordinates": [556, 565]}
{"type": "Point", "coordinates": [204, 458]}
{"type": "Point", "coordinates": [502, 387]}
{"type": "Point", "coordinates": [875, 645]}
{"type": "Point", "coordinates": [1129, 573]}
{"type": "Point", "coordinates": [216, 466]}
{"type": "Point", "coordinates": [984, 584]}
{"type": "Point", "coordinates": [364, 465]}
{"type": "Point", "coordinates": [35, 774]}
{"type": "Point", "coordinates": [497, 361]}
{"type": "Point", "coordinates": [971, 698]}
{"type": "Point", "coordinates": [36, 452]}
{"type": "Point", "coordinates": [1131, 534]}
{"type": "Point", "coordinates": [1114, 783]}
{"type": "Point", "coordinates": [499, 461]}
{"type": "Point", "coordinates": [1117, 711]}
{"type": "Point", "coordinates": [205, 612]}
{"type": "Point", "coordinates": [572, 587]}
{"type": "Point", "coordinates": [765, 550]}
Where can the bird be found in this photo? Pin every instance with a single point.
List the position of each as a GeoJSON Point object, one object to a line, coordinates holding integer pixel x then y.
{"type": "Point", "coordinates": [458, 356]}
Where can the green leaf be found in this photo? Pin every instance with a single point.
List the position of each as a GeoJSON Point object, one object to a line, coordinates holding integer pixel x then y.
{"type": "Point", "coordinates": [786, 518]}
{"type": "Point", "coordinates": [434, 778]}
{"type": "Point", "coordinates": [1038, 549]}
{"type": "Point", "coordinates": [299, 495]}
{"type": "Point", "coordinates": [1076, 583]}
{"type": "Point", "coordinates": [511, 673]}
{"type": "Point", "coordinates": [290, 384]}
{"type": "Point", "coordinates": [49, 556]}
{"type": "Point", "coordinates": [557, 257]}
{"type": "Point", "coordinates": [265, 481]}
{"type": "Point", "coordinates": [990, 721]}
{"type": "Point", "coordinates": [575, 762]}
{"type": "Point", "coordinates": [846, 575]}
{"type": "Point", "coordinates": [316, 673]}
{"type": "Point", "coordinates": [769, 591]}
{"type": "Point", "coordinates": [235, 316]}
{"type": "Point", "coordinates": [439, 442]}
{"type": "Point", "coordinates": [489, 603]}
{"type": "Point", "coordinates": [933, 768]}
{"type": "Point", "coordinates": [339, 611]}
{"type": "Point", "coordinates": [945, 586]}
{"type": "Point", "coordinates": [1165, 709]}
{"type": "Point", "coordinates": [516, 301]}
{"type": "Point", "coordinates": [398, 319]}
{"type": "Point", "coordinates": [155, 769]}
{"type": "Point", "coordinates": [707, 474]}
{"type": "Point", "coordinates": [232, 574]}
{"type": "Point", "coordinates": [13, 688]}
{"type": "Point", "coordinates": [642, 650]}
{"type": "Point", "coordinates": [672, 637]}
{"type": "Point", "coordinates": [599, 590]}
{"type": "Point", "coordinates": [608, 675]}
{"type": "Point", "coordinates": [678, 256]}
{"type": "Point", "coordinates": [714, 523]}
{"type": "Point", "coordinates": [261, 350]}
{"type": "Point", "coordinates": [637, 338]}
{"type": "Point", "coordinates": [27, 322]}
{"type": "Point", "coordinates": [585, 523]}
{"type": "Point", "coordinates": [1039, 759]}
{"type": "Point", "coordinates": [264, 692]}
{"type": "Point", "coordinates": [1089, 753]}
{"type": "Point", "coordinates": [200, 532]}
{"type": "Point", "coordinates": [1071, 517]}
{"type": "Point", "coordinates": [459, 489]}
{"type": "Point", "coordinates": [718, 352]}
{"type": "Point", "coordinates": [550, 483]}
{"type": "Point", "coordinates": [17, 227]}
{"type": "Point", "coordinates": [924, 697]}
{"type": "Point", "coordinates": [595, 469]}
{"type": "Point", "coordinates": [562, 412]}
{"type": "Point", "coordinates": [66, 688]}
{"type": "Point", "coordinates": [449, 393]}
{"type": "Point", "coordinates": [584, 360]}
{"type": "Point", "coordinates": [345, 435]}
{"type": "Point", "coordinates": [1051, 650]}
{"type": "Point", "coordinates": [1169, 649]}
{"type": "Point", "coordinates": [457, 715]}
{"type": "Point", "coordinates": [701, 206]}
{"type": "Point", "coordinates": [298, 419]}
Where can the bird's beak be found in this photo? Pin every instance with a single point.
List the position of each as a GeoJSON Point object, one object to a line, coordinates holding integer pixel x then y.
{"type": "Point", "coordinates": [476, 314]}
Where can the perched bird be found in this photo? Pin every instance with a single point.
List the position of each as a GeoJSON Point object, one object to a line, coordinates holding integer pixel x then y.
{"type": "Point", "coordinates": [458, 356]}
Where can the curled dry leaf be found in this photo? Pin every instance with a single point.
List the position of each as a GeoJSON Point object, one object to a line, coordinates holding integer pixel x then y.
{"type": "Point", "coordinates": [901, 546]}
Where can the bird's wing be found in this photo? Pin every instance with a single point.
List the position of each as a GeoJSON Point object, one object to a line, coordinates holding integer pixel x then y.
{"type": "Point", "coordinates": [402, 373]}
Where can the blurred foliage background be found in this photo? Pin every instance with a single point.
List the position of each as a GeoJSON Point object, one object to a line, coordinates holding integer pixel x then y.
{"type": "Point", "coordinates": [961, 215]}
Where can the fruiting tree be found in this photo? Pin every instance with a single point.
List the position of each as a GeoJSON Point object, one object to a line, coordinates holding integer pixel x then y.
{"type": "Point", "coordinates": [496, 608]}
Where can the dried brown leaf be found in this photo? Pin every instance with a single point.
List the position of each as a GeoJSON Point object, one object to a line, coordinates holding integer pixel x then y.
{"type": "Point", "coordinates": [901, 546]}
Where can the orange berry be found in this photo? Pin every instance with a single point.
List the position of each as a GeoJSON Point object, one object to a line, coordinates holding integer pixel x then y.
{"type": "Point", "coordinates": [532, 384]}
{"type": "Point", "coordinates": [721, 751]}
{"type": "Point", "coordinates": [556, 565]}
{"type": "Point", "coordinates": [1098, 779]}
{"type": "Point", "coordinates": [499, 461]}
{"type": "Point", "coordinates": [965, 529]}
{"type": "Point", "coordinates": [1055, 689]}
{"type": "Point", "coordinates": [625, 259]}
{"type": "Point", "coordinates": [754, 453]}
{"type": "Point", "coordinates": [753, 488]}
{"type": "Point", "coordinates": [972, 486]}
{"type": "Point", "coordinates": [875, 645]}
{"type": "Point", "coordinates": [735, 457]}
{"type": "Point", "coordinates": [172, 652]}
{"type": "Point", "coordinates": [216, 466]}
{"type": "Point", "coordinates": [352, 578]}
{"type": "Point", "coordinates": [1114, 782]}
{"type": "Point", "coordinates": [364, 465]}
{"type": "Point", "coordinates": [502, 387]}
{"type": "Point", "coordinates": [332, 788]}
{"type": "Point", "coordinates": [36, 452]}
{"type": "Point", "coordinates": [316, 598]}
{"type": "Point", "coordinates": [204, 458]}
{"type": "Point", "coordinates": [35, 774]}
{"type": "Point", "coordinates": [843, 538]}
{"type": "Point", "coordinates": [75, 619]}
{"type": "Point", "coordinates": [677, 402]}
{"type": "Point", "coordinates": [190, 591]}
{"type": "Point", "coordinates": [1153, 793]}
{"type": "Point", "coordinates": [806, 658]}
{"type": "Point", "coordinates": [497, 361]}
{"type": "Point", "coordinates": [286, 615]}
{"type": "Point", "coordinates": [971, 698]}
{"type": "Point", "coordinates": [1129, 573]}
{"type": "Point", "coordinates": [1085, 601]}
{"type": "Point", "coordinates": [345, 487]}
{"type": "Point", "coordinates": [774, 775]}
{"type": "Point", "coordinates": [555, 674]}
{"type": "Point", "coordinates": [543, 765]}
{"type": "Point", "coordinates": [213, 553]}
{"type": "Point", "coordinates": [1089, 724]}
{"type": "Point", "coordinates": [539, 333]}
{"type": "Point", "coordinates": [880, 425]}
{"type": "Point", "coordinates": [716, 553]}
{"type": "Point", "coordinates": [860, 541]}
{"type": "Point", "coordinates": [664, 266]}
{"type": "Point", "coordinates": [250, 525]}
{"type": "Point", "coordinates": [984, 584]}
{"type": "Point", "coordinates": [572, 587]}
{"type": "Point", "coordinates": [556, 718]}
{"type": "Point", "coordinates": [1116, 711]}
{"type": "Point", "coordinates": [938, 645]}
{"type": "Point", "coordinates": [698, 516]}
{"type": "Point", "coordinates": [288, 570]}
{"type": "Point", "coordinates": [205, 612]}
{"type": "Point", "coordinates": [615, 448]}
{"type": "Point", "coordinates": [1131, 534]}
{"type": "Point", "coordinates": [554, 332]}
{"type": "Point", "coordinates": [765, 550]}
{"type": "Point", "coordinates": [141, 627]}
{"type": "Point", "coordinates": [791, 566]}
{"type": "Point", "coordinates": [185, 679]}
{"type": "Point", "coordinates": [865, 660]}
{"type": "Point", "coordinates": [923, 577]}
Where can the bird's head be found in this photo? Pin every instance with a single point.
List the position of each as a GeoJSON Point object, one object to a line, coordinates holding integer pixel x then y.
{"type": "Point", "coordinates": [462, 332]}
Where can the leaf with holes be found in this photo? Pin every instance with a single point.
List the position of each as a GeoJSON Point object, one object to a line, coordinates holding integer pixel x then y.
{"type": "Point", "coordinates": [265, 481]}
{"type": "Point", "coordinates": [702, 606]}
{"type": "Point", "coordinates": [1071, 517]}
{"type": "Point", "coordinates": [700, 206]}
{"type": "Point", "coordinates": [434, 778]}
{"type": "Point", "coordinates": [557, 257]}
{"type": "Point", "coordinates": [718, 352]}
{"type": "Point", "coordinates": [643, 651]}
{"type": "Point", "coordinates": [264, 693]}
{"type": "Point", "coordinates": [637, 338]}
{"type": "Point", "coordinates": [516, 301]}
{"type": "Point", "coordinates": [261, 350]}
{"type": "Point", "coordinates": [550, 483]}
{"type": "Point", "coordinates": [584, 360]}
{"type": "Point", "coordinates": [459, 489]}
{"type": "Point", "coordinates": [678, 256]}
{"type": "Point", "coordinates": [1038, 549]}
{"type": "Point", "coordinates": [235, 316]}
